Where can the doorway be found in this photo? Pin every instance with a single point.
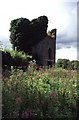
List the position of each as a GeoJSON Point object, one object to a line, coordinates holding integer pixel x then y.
{"type": "Point", "coordinates": [49, 53]}
{"type": "Point", "coordinates": [49, 57]}
{"type": "Point", "coordinates": [49, 63]}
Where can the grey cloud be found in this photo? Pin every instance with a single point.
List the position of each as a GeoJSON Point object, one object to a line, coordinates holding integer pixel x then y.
{"type": "Point", "coordinates": [68, 36]}
{"type": "Point", "coordinates": [64, 41]}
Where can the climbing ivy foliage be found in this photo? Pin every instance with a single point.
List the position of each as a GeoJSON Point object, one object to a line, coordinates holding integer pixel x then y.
{"type": "Point", "coordinates": [25, 33]}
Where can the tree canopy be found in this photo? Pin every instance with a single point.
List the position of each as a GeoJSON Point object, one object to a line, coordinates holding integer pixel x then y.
{"type": "Point", "coordinates": [25, 33]}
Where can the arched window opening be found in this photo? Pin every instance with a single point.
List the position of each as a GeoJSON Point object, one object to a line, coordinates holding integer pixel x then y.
{"type": "Point", "coordinates": [49, 53]}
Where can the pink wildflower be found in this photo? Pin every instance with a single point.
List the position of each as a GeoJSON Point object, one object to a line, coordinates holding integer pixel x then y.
{"type": "Point", "coordinates": [31, 113]}
{"type": "Point", "coordinates": [13, 80]}
{"type": "Point", "coordinates": [6, 70]}
{"type": "Point", "coordinates": [25, 114]}
{"type": "Point", "coordinates": [19, 99]}
{"type": "Point", "coordinates": [40, 75]}
{"type": "Point", "coordinates": [0, 75]}
{"type": "Point", "coordinates": [19, 81]}
{"type": "Point", "coordinates": [52, 95]}
{"type": "Point", "coordinates": [64, 83]}
{"type": "Point", "coordinates": [38, 83]}
{"type": "Point", "coordinates": [20, 74]}
{"type": "Point", "coordinates": [2, 105]}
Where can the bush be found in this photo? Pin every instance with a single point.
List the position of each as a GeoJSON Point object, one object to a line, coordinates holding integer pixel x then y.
{"type": "Point", "coordinates": [15, 58]}
{"type": "Point", "coordinates": [66, 64]}
{"type": "Point", "coordinates": [6, 58]}
{"type": "Point", "coordinates": [62, 63]}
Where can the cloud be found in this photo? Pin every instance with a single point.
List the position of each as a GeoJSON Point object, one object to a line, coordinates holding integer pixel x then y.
{"type": "Point", "coordinates": [67, 53]}
{"type": "Point", "coordinates": [62, 15]}
{"type": "Point", "coordinates": [66, 41]}
{"type": "Point", "coordinates": [68, 0]}
{"type": "Point", "coordinates": [5, 42]}
{"type": "Point", "coordinates": [67, 37]}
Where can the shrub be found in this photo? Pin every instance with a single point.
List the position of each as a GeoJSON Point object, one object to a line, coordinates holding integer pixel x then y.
{"type": "Point", "coordinates": [6, 58]}
{"type": "Point", "coordinates": [15, 58]}
{"type": "Point", "coordinates": [66, 64]}
{"type": "Point", "coordinates": [62, 63]}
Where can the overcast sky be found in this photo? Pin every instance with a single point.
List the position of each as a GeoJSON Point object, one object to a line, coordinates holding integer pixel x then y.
{"type": "Point", "coordinates": [61, 15]}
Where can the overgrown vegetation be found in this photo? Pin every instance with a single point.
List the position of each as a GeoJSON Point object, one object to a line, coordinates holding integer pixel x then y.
{"type": "Point", "coordinates": [19, 58]}
{"type": "Point", "coordinates": [67, 64]}
{"type": "Point", "coordinates": [14, 58]}
{"type": "Point", "coordinates": [39, 93]}
{"type": "Point", "coordinates": [36, 92]}
{"type": "Point", "coordinates": [25, 33]}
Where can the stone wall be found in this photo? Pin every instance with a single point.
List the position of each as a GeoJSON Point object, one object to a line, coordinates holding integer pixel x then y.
{"type": "Point", "coordinates": [42, 50]}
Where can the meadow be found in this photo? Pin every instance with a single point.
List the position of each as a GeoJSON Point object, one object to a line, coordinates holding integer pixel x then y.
{"type": "Point", "coordinates": [40, 92]}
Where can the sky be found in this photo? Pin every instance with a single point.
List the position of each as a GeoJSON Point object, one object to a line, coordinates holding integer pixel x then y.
{"type": "Point", "coordinates": [62, 15]}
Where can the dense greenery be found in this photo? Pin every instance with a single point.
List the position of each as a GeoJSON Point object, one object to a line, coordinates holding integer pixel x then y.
{"type": "Point", "coordinates": [67, 64]}
{"type": "Point", "coordinates": [38, 92]}
{"type": "Point", "coordinates": [43, 93]}
{"type": "Point", "coordinates": [14, 58]}
{"type": "Point", "coordinates": [25, 33]}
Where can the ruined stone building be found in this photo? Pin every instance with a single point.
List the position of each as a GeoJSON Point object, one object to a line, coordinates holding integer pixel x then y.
{"type": "Point", "coordinates": [45, 51]}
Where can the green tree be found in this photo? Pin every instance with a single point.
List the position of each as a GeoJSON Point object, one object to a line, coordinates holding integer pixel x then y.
{"type": "Point", "coordinates": [75, 64]}
{"type": "Point", "coordinates": [62, 63]}
{"type": "Point", "coordinates": [24, 33]}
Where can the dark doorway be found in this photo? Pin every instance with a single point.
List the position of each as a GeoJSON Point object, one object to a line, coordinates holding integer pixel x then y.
{"type": "Point", "coordinates": [50, 63]}
{"type": "Point", "coordinates": [49, 53]}
{"type": "Point", "coordinates": [49, 58]}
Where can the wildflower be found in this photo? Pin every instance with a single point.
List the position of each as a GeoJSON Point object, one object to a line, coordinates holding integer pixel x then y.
{"type": "Point", "coordinates": [6, 70]}
{"type": "Point", "coordinates": [31, 113]}
{"type": "Point", "coordinates": [13, 80]}
{"type": "Point", "coordinates": [19, 81]}
{"type": "Point", "coordinates": [0, 75]}
{"type": "Point", "coordinates": [2, 105]}
{"type": "Point", "coordinates": [38, 83]}
{"type": "Point", "coordinates": [52, 95]}
{"type": "Point", "coordinates": [19, 99]}
{"type": "Point", "coordinates": [25, 114]}
{"type": "Point", "coordinates": [64, 83]}
{"type": "Point", "coordinates": [40, 75]}
{"type": "Point", "coordinates": [20, 74]}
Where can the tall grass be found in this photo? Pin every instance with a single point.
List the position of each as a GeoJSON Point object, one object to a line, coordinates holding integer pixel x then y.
{"type": "Point", "coordinates": [40, 93]}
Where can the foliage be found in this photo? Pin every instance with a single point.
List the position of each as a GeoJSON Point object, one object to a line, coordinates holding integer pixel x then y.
{"type": "Point", "coordinates": [66, 64]}
{"type": "Point", "coordinates": [39, 93]}
{"type": "Point", "coordinates": [6, 58]}
{"type": "Point", "coordinates": [15, 58]}
{"type": "Point", "coordinates": [62, 63]}
{"type": "Point", "coordinates": [24, 33]}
